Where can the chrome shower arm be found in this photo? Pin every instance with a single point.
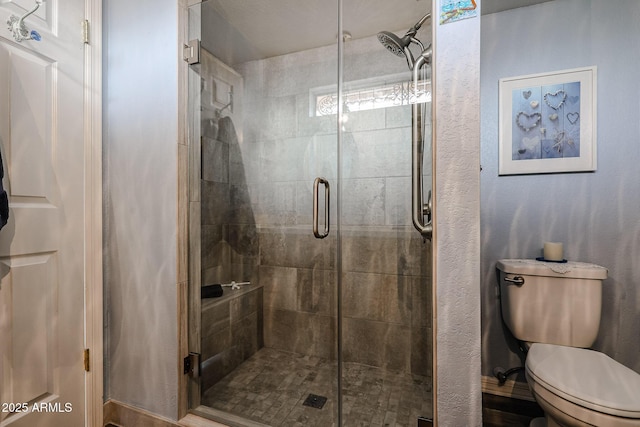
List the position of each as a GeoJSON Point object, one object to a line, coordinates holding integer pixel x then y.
{"type": "Point", "coordinates": [420, 22]}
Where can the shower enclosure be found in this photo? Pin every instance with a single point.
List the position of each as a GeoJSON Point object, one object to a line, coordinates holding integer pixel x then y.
{"type": "Point", "coordinates": [304, 133]}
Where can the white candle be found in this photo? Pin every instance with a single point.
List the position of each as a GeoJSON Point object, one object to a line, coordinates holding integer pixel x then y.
{"type": "Point", "coordinates": [553, 251]}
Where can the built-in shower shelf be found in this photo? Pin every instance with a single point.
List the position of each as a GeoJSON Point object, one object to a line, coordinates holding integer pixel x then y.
{"type": "Point", "coordinates": [227, 294]}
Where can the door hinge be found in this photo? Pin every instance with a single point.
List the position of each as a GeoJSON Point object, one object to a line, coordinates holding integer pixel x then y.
{"type": "Point", "coordinates": [86, 359]}
{"type": "Point", "coordinates": [85, 31]}
{"type": "Point", "coordinates": [192, 365]}
{"type": "Point", "coordinates": [191, 52]}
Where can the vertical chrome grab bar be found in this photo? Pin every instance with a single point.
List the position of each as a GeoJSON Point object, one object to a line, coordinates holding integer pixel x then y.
{"type": "Point", "coordinates": [418, 207]}
{"type": "Point", "coordinates": [316, 184]}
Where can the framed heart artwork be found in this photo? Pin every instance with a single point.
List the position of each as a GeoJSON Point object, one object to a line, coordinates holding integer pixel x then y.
{"type": "Point", "coordinates": [547, 122]}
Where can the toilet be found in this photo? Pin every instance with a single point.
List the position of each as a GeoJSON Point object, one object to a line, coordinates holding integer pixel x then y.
{"type": "Point", "coordinates": [554, 309]}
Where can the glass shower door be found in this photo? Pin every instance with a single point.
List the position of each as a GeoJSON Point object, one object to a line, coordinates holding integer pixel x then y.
{"type": "Point", "coordinates": [385, 262]}
{"type": "Point", "coordinates": [268, 344]}
{"type": "Point", "coordinates": [300, 148]}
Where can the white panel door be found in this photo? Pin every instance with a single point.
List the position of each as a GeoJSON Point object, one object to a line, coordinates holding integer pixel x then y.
{"type": "Point", "coordinates": [42, 313]}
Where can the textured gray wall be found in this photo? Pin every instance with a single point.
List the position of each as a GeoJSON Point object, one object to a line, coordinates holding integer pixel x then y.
{"type": "Point", "coordinates": [140, 161]}
{"type": "Point", "coordinates": [595, 214]}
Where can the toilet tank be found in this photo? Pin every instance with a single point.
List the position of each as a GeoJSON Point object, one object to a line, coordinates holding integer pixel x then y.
{"type": "Point", "coordinates": [554, 303]}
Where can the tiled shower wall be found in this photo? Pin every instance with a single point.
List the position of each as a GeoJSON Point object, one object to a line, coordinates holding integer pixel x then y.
{"type": "Point", "coordinates": [282, 147]}
{"type": "Point", "coordinates": [231, 326]}
{"type": "Point", "coordinates": [229, 243]}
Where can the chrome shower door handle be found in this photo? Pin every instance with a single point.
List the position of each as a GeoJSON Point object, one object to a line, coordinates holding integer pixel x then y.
{"type": "Point", "coordinates": [316, 184]}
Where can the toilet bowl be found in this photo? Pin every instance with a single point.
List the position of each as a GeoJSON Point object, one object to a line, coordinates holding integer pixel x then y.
{"type": "Point", "coordinates": [579, 387]}
{"type": "Point", "coordinates": [555, 309]}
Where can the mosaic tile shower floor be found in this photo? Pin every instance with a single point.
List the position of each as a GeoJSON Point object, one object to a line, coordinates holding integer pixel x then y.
{"type": "Point", "coordinates": [271, 386]}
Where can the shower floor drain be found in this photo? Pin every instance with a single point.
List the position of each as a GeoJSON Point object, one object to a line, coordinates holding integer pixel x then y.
{"type": "Point", "coordinates": [315, 401]}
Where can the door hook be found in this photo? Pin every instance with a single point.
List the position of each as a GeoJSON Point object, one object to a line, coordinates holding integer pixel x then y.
{"type": "Point", "coordinates": [19, 30]}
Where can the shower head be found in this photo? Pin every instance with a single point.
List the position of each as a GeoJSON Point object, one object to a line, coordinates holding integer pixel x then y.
{"type": "Point", "coordinates": [399, 46]}
{"type": "Point", "coordinates": [393, 43]}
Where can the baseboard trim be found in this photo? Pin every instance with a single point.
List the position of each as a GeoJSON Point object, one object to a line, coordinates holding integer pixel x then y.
{"type": "Point", "coordinates": [124, 415]}
{"type": "Point", "coordinates": [511, 388]}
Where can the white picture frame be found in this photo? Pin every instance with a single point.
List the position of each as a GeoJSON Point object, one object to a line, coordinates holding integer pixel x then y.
{"type": "Point", "coordinates": [547, 122]}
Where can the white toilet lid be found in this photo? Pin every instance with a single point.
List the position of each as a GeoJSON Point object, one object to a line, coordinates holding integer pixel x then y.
{"type": "Point", "coordinates": [587, 378]}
